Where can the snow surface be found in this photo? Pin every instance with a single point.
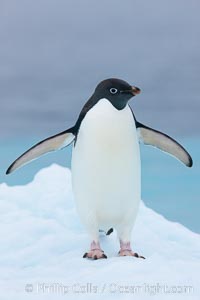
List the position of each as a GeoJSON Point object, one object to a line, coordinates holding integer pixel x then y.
{"type": "Point", "coordinates": [42, 243]}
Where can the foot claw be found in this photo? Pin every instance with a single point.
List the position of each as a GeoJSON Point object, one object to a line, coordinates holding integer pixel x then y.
{"type": "Point", "coordinates": [138, 256]}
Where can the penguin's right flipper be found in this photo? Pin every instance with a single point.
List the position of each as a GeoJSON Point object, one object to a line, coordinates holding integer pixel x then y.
{"type": "Point", "coordinates": [162, 141]}
{"type": "Point", "coordinates": [53, 143]}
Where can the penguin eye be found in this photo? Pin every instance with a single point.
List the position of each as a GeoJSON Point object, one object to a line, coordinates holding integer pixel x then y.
{"type": "Point", "coordinates": [113, 90]}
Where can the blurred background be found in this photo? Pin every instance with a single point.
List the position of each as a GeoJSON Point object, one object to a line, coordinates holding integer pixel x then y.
{"type": "Point", "coordinates": [54, 52]}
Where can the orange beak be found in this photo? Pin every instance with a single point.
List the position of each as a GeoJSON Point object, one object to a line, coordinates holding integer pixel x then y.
{"type": "Point", "coordinates": [135, 90]}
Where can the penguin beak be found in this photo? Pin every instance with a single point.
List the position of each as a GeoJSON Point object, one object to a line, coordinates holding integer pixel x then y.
{"type": "Point", "coordinates": [135, 90]}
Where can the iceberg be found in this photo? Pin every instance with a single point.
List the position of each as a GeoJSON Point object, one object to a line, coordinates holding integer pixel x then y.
{"type": "Point", "coordinates": [43, 241]}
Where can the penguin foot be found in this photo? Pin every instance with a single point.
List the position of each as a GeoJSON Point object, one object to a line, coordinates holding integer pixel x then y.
{"type": "Point", "coordinates": [95, 252]}
{"type": "Point", "coordinates": [127, 251]}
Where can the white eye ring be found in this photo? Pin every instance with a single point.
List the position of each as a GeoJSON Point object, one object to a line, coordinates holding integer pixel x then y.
{"type": "Point", "coordinates": [113, 90]}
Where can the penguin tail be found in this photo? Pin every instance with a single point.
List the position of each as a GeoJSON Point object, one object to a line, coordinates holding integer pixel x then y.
{"type": "Point", "coordinates": [108, 232]}
{"type": "Point", "coordinates": [52, 143]}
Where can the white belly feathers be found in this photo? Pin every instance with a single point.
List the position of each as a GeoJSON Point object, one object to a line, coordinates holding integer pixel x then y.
{"type": "Point", "coordinates": [106, 166]}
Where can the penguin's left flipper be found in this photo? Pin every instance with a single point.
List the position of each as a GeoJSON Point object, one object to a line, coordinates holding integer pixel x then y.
{"type": "Point", "coordinates": [53, 143]}
{"type": "Point", "coordinates": [160, 140]}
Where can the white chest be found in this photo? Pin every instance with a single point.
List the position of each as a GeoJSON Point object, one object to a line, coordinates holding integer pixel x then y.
{"type": "Point", "coordinates": [106, 127]}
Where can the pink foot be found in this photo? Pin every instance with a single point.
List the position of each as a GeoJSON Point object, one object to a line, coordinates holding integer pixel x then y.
{"type": "Point", "coordinates": [125, 250]}
{"type": "Point", "coordinates": [95, 252]}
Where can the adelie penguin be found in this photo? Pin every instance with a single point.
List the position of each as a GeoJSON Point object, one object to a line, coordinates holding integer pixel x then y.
{"type": "Point", "coordinates": [106, 177]}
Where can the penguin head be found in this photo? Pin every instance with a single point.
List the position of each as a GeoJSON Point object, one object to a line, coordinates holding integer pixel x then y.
{"type": "Point", "coordinates": [117, 91]}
